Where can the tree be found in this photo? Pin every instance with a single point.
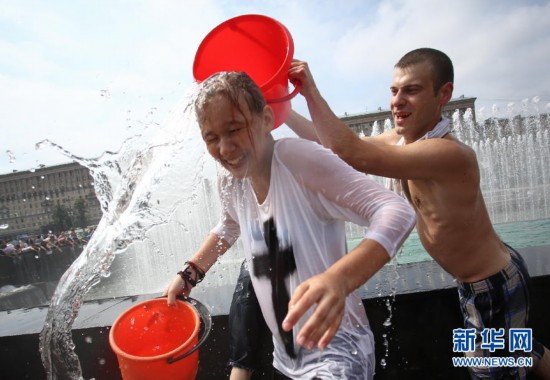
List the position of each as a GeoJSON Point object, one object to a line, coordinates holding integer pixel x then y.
{"type": "Point", "coordinates": [62, 220]}
{"type": "Point", "coordinates": [80, 218]}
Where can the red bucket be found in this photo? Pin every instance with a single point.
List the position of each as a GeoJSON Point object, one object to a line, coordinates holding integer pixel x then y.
{"type": "Point", "coordinates": [155, 341]}
{"type": "Point", "coordinates": [258, 45]}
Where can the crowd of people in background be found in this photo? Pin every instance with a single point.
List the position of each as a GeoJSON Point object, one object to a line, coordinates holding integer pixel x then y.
{"type": "Point", "coordinates": [46, 243]}
{"type": "Point", "coordinates": [40, 258]}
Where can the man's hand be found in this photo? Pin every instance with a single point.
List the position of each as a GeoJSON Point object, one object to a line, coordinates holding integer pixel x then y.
{"type": "Point", "coordinates": [299, 71]}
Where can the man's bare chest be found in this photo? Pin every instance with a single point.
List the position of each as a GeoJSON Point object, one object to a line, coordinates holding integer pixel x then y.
{"type": "Point", "coordinates": [422, 196]}
{"type": "Point", "coordinates": [413, 193]}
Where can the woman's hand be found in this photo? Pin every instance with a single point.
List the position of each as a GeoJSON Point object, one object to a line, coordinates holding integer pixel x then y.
{"type": "Point", "coordinates": [177, 286]}
{"type": "Point", "coordinates": [328, 293]}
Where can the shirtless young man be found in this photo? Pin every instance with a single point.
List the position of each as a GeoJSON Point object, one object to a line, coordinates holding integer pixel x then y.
{"type": "Point", "coordinates": [440, 177]}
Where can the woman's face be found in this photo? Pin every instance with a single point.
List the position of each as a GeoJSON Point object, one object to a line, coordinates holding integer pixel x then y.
{"type": "Point", "coordinates": [240, 141]}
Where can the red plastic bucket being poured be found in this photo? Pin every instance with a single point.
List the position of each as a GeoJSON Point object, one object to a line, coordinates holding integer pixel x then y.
{"type": "Point", "coordinates": [258, 45]}
{"type": "Point", "coordinates": [155, 341]}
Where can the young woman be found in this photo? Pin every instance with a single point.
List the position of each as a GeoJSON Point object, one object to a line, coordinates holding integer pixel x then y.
{"type": "Point", "coordinates": [289, 200]}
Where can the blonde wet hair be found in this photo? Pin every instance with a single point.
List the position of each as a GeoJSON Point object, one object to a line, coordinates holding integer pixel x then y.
{"type": "Point", "coordinates": [235, 86]}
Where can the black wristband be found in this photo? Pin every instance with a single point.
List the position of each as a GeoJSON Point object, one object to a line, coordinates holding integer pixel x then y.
{"type": "Point", "coordinates": [186, 276]}
{"type": "Point", "coordinates": [197, 269]}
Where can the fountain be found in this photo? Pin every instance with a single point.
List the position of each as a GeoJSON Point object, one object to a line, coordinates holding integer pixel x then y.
{"type": "Point", "coordinates": [159, 198]}
{"type": "Point", "coordinates": [512, 154]}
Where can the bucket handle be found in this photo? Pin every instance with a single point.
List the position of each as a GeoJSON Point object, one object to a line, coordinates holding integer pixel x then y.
{"type": "Point", "coordinates": [297, 88]}
{"type": "Point", "coordinates": [206, 320]}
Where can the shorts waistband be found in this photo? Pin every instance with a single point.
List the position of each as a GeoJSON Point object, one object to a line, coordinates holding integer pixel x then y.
{"type": "Point", "coordinates": [500, 277]}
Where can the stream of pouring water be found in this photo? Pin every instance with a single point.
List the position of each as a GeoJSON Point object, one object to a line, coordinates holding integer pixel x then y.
{"type": "Point", "coordinates": [139, 188]}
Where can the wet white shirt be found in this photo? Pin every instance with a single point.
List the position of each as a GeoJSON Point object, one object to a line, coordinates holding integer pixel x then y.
{"type": "Point", "coordinates": [312, 194]}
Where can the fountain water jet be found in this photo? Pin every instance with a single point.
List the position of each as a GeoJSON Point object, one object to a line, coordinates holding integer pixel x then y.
{"type": "Point", "coordinates": [512, 155]}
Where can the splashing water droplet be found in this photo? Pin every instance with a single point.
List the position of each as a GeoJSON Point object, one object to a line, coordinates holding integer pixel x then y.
{"type": "Point", "coordinates": [239, 287]}
{"type": "Point", "coordinates": [11, 156]}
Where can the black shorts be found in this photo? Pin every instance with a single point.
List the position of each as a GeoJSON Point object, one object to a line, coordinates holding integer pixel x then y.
{"type": "Point", "coordinates": [247, 328]}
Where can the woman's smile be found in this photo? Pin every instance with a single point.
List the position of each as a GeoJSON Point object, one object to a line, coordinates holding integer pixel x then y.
{"type": "Point", "coordinates": [234, 164]}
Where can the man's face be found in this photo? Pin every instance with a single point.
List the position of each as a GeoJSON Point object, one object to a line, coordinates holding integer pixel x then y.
{"type": "Point", "coordinates": [235, 143]}
{"type": "Point", "coordinates": [415, 107]}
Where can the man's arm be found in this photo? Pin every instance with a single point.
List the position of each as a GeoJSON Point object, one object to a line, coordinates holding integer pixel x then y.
{"type": "Point", "coordinates": [302, 126]}
{"type": "Point", "coordinates": [429, 159]}
{"type": "Point", "coordinates": [329, 129]}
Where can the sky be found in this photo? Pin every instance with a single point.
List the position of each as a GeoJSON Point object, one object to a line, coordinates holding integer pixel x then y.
{"type": "Point", "coordinates": [89, 74]}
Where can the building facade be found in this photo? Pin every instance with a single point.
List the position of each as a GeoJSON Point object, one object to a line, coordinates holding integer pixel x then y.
{"type": "Point", "coordinates": [28, 198]}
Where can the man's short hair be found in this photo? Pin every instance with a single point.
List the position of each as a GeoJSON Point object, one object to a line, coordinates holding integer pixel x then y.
{"type": "Point", "coordinates": [442, 66]}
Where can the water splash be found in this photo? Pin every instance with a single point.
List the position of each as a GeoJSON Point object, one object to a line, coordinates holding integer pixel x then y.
{"type": "Point", "coordinates": [139, 188]}
{"type": "Point", "coordinates": [393, 278]}
{"type": "Point", "coordinates": [11, 156]}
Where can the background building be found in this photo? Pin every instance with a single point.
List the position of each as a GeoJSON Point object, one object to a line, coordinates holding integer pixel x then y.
{"type": "Point", "coordinates": [29, 199]}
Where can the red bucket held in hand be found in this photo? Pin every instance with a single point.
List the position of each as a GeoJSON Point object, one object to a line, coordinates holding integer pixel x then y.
{"type": "Point", "coordinates": [258, 45]}
{"type": "Point", "coordinates": [155, 341]}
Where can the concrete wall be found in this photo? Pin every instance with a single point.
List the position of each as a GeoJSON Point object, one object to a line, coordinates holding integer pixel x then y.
{"type": "Point", "coordinates": [419, 340]}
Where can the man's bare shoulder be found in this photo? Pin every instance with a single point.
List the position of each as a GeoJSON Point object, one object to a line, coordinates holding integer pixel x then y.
{"type": "Point", "coordinates": [448, 145]}
{"type": "Point", "coordinates": [389, 137]}
{"type": "Point", "coordinates": [447, 156]}
{"type": "Point", "coordinates": [465, 151]}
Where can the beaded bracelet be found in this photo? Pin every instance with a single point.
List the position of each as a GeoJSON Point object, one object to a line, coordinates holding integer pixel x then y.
{"type": "Point", "coordinates": [198, 269]}
{"type": "Point", "coordinates": [186, 276]}
{"type": "Point", "coordinates": [186, 273]}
